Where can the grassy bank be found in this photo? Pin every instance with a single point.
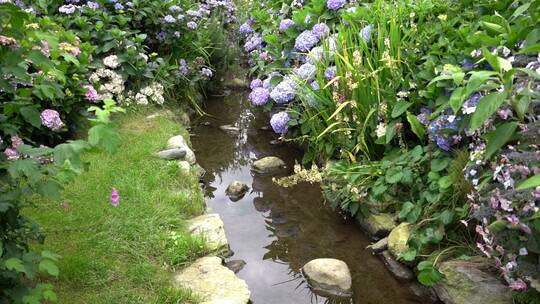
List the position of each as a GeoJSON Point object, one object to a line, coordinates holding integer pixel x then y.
{"type": "Point", "coordinates": [124, 254]}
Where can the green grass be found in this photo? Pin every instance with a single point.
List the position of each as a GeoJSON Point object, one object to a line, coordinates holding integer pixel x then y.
{"type": "Point", "coordinates": [124, 254]}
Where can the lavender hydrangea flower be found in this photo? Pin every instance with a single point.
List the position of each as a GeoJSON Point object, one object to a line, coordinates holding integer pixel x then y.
{"type": "Point", "coordinates": [279, 122]}
{"type": "Point", "coordinates": [192, 25]}
{"type": "Point", "coordinates": [256, 83]}
{"type": "Point", "coordinates": [330, 72]}
{"type": "Point", "coordinates": [169, 19]}
{"type": "Point", "coordinates": [175, 8]}
{"type": "Point", "coordinates": [335, 4]}
{"type": "Point", "coordinates": [285, 24]}
{"type": "Point", "coordinates": [442, 142]}
{"type": "Point", "coordinates": [284, 91]}
{"type": "Point", "coordinates": [365, 33]}
{"type": "Point", "coordinates": [92, 5]}
{"type": "Point", "coordinates": [467, 65]}
{"type": "Point", "coordinates": [469, 106]}
{"type": "Point", "coordinates": [253, 43]}
{"type": "Point", "coordinates": [118, 6]}
{"type": "Point", "coordinates": [206, 72]}
{"type": "Point", "coordinates": [67, 9]}
{"type": "Point", "coordinates": [91, 93]}
{"type": "Point", "coordinates": [161, 36]}
{"type": "Point", "coordinates": [305, 41]}
{"type": "Point", "coordinates": [306, 71]}
{"type": "Point", "coordinates": [12, 154]}
{"type": "Point", "coordinates": [245, 28]}
{"type": "Point", "coordinates": [424, 116]}
{"type": "Point", "coordinates": [51, 119]}
{"type": "Point", "coordinates": [183, 68]}
{"type": "Point", "coordinates": [315, 85]}
{"type": "Point", "coordinates": [320, 30]}
{"type": "Point", "coordinates": [259, 96]}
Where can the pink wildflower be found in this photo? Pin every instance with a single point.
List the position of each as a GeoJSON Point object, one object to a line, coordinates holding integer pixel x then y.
{"type": "Point", "coordinates": [115, 197]}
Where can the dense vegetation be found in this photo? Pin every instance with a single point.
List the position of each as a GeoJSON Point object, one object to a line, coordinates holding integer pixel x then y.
{"type": "Point", "coordinates": [66, 63]}
{"type": "Point", "coordinates": [430, 109]}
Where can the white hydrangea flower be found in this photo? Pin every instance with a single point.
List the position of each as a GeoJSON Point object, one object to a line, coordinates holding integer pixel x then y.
{"type": "Point", "coordinates": [111, 61]}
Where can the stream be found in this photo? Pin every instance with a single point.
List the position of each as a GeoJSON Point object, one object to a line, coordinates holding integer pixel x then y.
{"type": "Point", "coordinates": [277, 230]}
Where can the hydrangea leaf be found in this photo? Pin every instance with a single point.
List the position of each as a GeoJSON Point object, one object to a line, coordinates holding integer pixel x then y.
{"type": "Point", "coordinates": [486, 107]}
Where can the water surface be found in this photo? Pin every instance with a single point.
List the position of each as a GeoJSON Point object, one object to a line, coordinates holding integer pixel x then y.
{"type": "Point", "coordinates": [277, 230]}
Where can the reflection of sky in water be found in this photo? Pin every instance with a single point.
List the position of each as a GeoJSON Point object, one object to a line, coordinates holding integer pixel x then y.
{"type": "Point", "coordinates": [277, 230]}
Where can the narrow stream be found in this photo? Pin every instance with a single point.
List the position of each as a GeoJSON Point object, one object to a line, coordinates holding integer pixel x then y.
{"type": "Point", "coordinates": [277, 230]}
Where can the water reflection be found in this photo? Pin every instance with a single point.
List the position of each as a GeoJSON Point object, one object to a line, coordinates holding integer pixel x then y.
{"type": "Point", "coordinates": [277, 230]}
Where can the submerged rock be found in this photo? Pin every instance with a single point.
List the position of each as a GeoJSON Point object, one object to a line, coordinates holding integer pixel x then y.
{"type": "Point", "coordinates": [230, 129]}
{"type": "Point", "coordinates": [236, 190]}
{"type": "Point", "coordinates": [235, 265]}
{"type": "Point", "coordinates": [378, 225]}
{"type": "Point", "coordinates": [268, 165]}
{"type": "Point", "coordinates": [424, 294]}
{"type": "Point", "coordinates": [213, 282]}
{"type": "Point", "coordinates": [210, 226]}
{"type": "Point", "coordinates": [379, 246]}
{"type": "Point", "coordinates": [171, 154]}
{"type": "Point", "coordinates": [328, 277]}
{"type": "Point", "coordinates": [471, 282]}
{"type": "Point", "coordinates": [398, 238]}
{"type": "Point", "coordinates": [399, 270]}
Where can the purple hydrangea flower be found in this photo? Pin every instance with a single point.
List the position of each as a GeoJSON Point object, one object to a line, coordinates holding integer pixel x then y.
{"type": "Point", "coordinates": [315, 85]}
{"type": "Point", "coordinates": [92, 5]}
{"type": "Point", "coordinates": [206, 72]}
{"type": "Point", "coordinates": [67, 9]}
{"type": "Point", "coordinates": [330, 72]}
{"type": "Point", "coordinates": [320, 30]}
{"type": "Point", "coordinates": [253, 43]}
{"type": "Point", "coordinates": [335, 4]}
{"type": "Point", "coordinates": [306, 71]}
{"type": "Point", "coordinates": [118, 6]}
{"type": "Point", "coordinates": [255, 83]}
{"type": "Point", "coordinates": [469, 106]}
{"type": "Point", "coordinates": [192, 25]}
{"type": "Point", "coordinates": [279, 122]}
{"type": "Point", "coordinates": [91, 93]}
{"type": "Point", "coordinates": [169, 19]}
{"type": "Point", "coordinates": [424, 116]}
{"type": "Point", "coordinates": [285, 24]}
{"type": "Point", "coordinates": [161, 36]}
{"type": "Point", "coordinates": [12, 154]}
{"type": "Point", "coordinates": [442, 142]}
{"type": "Point", "coordinates": [305, 41]}
{"type": "Point", "coordinates": [51, 119]}
{"type": "Point", "coordinates": [175, 8]}
{"type": "Point", "coordinates": [245, 28]}
{"type": "Point", "coordinates": [284, 91]}
{"type": "Point", "coordinates": [365, 33]}
{"type": "Point", "coordinates": [259, 96]}
{"type": "Point", "coordinates": [183, 68]}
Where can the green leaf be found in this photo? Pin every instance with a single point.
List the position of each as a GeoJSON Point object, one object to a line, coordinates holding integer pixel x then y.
{"type": "Point", "coordinates": [446, 217]}
{"type": "Point", "coordinates": [486, 107]}
{"type": "Point", "coordinates": [498, 138]}
{"type": "Point", "coordinates": [31, 115]}
{"type": "Point", "coordinates": [494, 27]}
{"type": "Point", "coordinates": [400, 107]}
{"type": "Point", "coordinates": [394, 176]}
{"type": "Point", "coordinates": [24, 167]}
{"type": "Point", "coordinates": [520, 10]}
{"type": "Point", "coordinates": [50, 295]}
{"type": "Point", "coordinates": [429, 277]}
{"type": "Point", "coordinates": [416, 126]}
{"type": "Point", "coordinates": [456, 99]}
{"type": "Point", "coordinates": [439, 164]}
{"type": "Point", "coordinates": [49, 267]}
{"type": "Point", "coordinates": [15, 264]}
{"type": "Point", "coordinates": [476, 80]}
{"type": "Point", "coordinates": [497, 226]}
{"type": "Point", "coordinates": [531, 182]}
{"type": "Point", "coordinates": [445, 182]}
{"type": "Point", "coordinates": [105, 136]}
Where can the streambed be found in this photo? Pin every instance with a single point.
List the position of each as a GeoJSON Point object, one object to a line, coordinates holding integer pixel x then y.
{"type": "Point", "coordinates": [277, 230]}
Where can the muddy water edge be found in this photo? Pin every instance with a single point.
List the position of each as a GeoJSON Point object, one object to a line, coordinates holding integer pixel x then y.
{"type": "Point", "coordinates": [277, 230]}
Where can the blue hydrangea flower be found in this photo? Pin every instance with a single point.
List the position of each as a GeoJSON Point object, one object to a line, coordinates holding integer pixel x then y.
{"type": "Point", "coordinates": [183, 68]}
{"type": "Point", "coordinates": [118, 6]}
{"type": "Point", "coordinates": [315, 85]}
{"type": "Point", "coordinates": [67, 9]}
{"type": "Point", "coordinates": [161, 36]}
{"type": "Point", "coordinates": [256, 83]}
{"type": "Point", "coordinates": [330, 72]}
{"type": "Point", "coordinates": [320, 30]}
{"type": "Point", "coordinates": [305, 41]}
{"type": "Point", "coordinates": [279, 122]}
{"type": "Point", "coordinates": [259, 96]}
{"type": "Point", "coordinates": [285, 24]}
{"type": "Point", "coordinates": [253, 43]}
{"type": "Point", "coordinates": [442, 142]}
{"type": "Point", "coordinates": [306, 71]}
{"type": "Point", "coordinates": [92, 5]}
{"type": "Point", "coordinates": [467, 65]}
{"type": "Point", "coordinates": [175, 8]}
{"type": "Point", "coordinates": [424, 116]}
{"type": "Point", "coordinates": [365, 33]}
{"type": "Point", "coordinates": [192, 25]}
{"type": "Point", "coordinates": [245, 28]}
{"type": "Point", "coordinates": [284, 91]}
{"type": "Point", "coordinates": [335, 4]}
{"type": "Point", "coordinates": [169, 19]}
{"type": "Point", "coordinates": [469, 106]}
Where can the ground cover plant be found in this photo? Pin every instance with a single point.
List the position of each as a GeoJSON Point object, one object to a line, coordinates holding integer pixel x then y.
{"type": "Point", "coordinates": [66, 68]}
{"type": "Point", "coordinates": [427, 109]}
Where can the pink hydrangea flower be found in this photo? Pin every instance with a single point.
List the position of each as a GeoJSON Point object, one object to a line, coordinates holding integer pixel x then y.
{"type": "Point", "coordinates": [91, 93]}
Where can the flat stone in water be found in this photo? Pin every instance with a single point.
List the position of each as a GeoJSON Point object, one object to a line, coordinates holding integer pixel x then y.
{"type": "Point", "coordinates": [230, 129]}
{"type": "Point", "coordinates": [171, 154]}
{"type": "Point", "coordinates": [328, 277]}
{"type": "Point", "coordinates": [212, 281]}
{"type": "Point", "coordinates": [210, 226]}
{"type": "Point", "coordinates": [235, 265]}
{"type": "Point", "coordinates": [379, 246]}
{"type": "Point", "coordinates": [399, 270]}
{"type": "Point", "coordinates": [268, 165]}
{"type": "Point", "coordinates": [236, 190]}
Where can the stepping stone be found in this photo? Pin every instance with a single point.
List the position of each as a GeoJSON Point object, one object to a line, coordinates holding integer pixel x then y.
{"type": "Point", "coordinates": [399, 270]}
{"type": "Point", "coordinates": [172, 154]}
{"type": "Point", "coordinates": [236, 190]}
{"type": "Point", "coordinates": [268, 165]}
{"type": "Point", "coordinates": [379, 246]}
{"type": "Point", "coordinates": [328, 277]}
{"type": "Point", "coordinates": [213, 282]}
{"type": "Point", "coordinates": [178, 142]}
{"type": "Point", "coordinates": [211, 228]}
{"type": "Point", "coordinates": [235, 265]}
